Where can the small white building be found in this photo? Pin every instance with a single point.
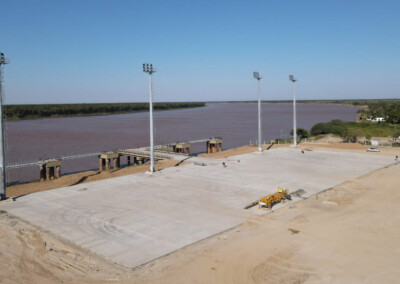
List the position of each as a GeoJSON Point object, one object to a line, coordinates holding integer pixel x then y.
{"type": "Point", "coordinates": [378, 119]}
{"type": "Point", "coordinates": [375, 143]}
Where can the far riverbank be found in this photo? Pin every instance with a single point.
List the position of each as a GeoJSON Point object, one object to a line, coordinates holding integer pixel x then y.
{"type": "Point", "coordinates": [22, 112]}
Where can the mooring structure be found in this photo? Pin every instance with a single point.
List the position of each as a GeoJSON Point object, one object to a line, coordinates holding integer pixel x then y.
{"type": "Point", "coordinates": [51, 168]}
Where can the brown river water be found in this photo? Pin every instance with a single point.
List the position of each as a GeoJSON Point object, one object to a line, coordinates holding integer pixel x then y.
{"type": "Point", "coordinates": [236, 123]}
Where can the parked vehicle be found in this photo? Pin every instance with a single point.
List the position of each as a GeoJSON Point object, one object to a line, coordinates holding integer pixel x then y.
{"type": "Point", "coordinates": [372, 149]}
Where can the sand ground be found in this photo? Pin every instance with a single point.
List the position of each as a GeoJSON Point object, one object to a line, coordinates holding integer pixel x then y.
{"type": "Point", "coordinates": [348, 234]}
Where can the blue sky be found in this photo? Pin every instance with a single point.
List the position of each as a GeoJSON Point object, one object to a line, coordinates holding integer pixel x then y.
{"type": "Point", "coordinates": [91, 51]}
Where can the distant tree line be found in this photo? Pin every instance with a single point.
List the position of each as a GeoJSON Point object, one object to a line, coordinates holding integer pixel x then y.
{"type": "Point", "coordinates": [16, 112]}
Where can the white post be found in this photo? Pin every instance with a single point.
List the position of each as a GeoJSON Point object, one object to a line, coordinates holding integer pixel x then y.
{"type": "Point", "coordinates": [294, 115]}
{"type": "Point", "coordinates": [3, 61]}
{"type": "Point", "coordinates": [151, 126]}
{"type": "Point", "coordinates": [259, 116]}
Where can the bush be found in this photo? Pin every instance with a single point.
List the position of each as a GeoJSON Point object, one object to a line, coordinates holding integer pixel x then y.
{"type": "Point", "coordinates": [352, 135]}
{"type": "Point", "coordinates": [337, 127]}
{"type": "Point", "coordinates": [301, 132]}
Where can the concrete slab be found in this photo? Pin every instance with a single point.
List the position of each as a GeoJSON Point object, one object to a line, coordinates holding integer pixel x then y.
{"type": "Point", "coordinates": [135, 219]}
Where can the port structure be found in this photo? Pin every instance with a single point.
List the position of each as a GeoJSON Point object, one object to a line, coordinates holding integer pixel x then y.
{"type": "Point", "coordinates": [51, 168]}
{"type": "Point", "coordinates": [3, 61]}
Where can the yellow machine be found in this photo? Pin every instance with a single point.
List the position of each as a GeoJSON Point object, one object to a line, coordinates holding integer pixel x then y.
{"type": "Point", "coordinates": [271, 199]}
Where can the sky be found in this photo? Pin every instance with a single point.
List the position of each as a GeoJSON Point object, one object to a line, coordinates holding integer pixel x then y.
{"type": "Point", "coordinates": [89, 51]}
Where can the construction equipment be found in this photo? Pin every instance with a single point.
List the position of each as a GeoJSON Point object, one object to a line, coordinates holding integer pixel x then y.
{"type": "Point", "coordinates": [271, 199]}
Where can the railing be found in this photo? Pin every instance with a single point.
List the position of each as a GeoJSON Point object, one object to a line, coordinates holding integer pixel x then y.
{"type": "Point", "coordinates": [36, 163]}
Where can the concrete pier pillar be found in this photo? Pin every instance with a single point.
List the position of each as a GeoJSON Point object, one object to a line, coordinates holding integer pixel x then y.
{"type": "Point", "coordinates": [188, 151]}
{"type": "Point", "coordinates": [101, 164]}
{"type": "Point", "coordinates": [115, 163]}
{"type": "Point", "coordinates": [128, 158]}
{"type": "Point", "coordinates": [214, 145]}
{"type": "Point", "coordinates": [42, 172]}
{"type": "Point", "coordinates": [135, 160]}
{"type": "Point", "coordinates": [109, 158]}
{"type": "Point", "coordinates": [50, 169]}
{"type": "Point", "coordinates": [58, 172]}
{"type": "Point", "coordinates": [47, 173]}
{"type": "Point", "coordinates": [51, 172]}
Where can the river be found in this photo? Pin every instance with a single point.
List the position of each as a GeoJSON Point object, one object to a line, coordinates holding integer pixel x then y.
{"type": "Point", "coordinates": [236, 123]}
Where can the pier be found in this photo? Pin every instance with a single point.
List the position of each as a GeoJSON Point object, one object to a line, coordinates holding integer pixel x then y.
{"type": "Point", "coordinates": [50, 169]}
{"type": "Point", "coordinates": [111, 160]}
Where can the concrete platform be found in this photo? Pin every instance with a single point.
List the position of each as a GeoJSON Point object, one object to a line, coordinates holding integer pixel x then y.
{"type": "Point", "coordinates": [135, 219]}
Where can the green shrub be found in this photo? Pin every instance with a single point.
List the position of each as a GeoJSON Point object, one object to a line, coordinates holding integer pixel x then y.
{"type": "Point", "coordinates": [336, 127]}
{"type": "Point", "coordinates": [301, 132]}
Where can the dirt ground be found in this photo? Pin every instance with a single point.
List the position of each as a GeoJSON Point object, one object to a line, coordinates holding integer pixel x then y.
{"type": "Point", "coordinates": [348, 234]}
{"type": "Point", "coordinates": [350, 147]}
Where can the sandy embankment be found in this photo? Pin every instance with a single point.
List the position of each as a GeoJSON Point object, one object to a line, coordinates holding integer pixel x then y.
{"type": "Point", "coordinates": [348, 234]}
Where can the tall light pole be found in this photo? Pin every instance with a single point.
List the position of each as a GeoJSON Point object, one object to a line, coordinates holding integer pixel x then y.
{"type": "Point", "coordinates": [148, 68]}
{"type": "Point", "coordinates": [3, 61]}
{"type": "Point", "coordinates": [293, 79]}
{"type": "Point", "coordinates": [257, 76]}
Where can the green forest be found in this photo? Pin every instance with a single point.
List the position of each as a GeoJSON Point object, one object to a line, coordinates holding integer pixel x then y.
{"type": "Point", "coordinates": [17, 112]}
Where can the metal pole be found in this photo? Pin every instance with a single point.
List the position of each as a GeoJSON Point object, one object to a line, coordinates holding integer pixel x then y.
{"type": "Point", "coordinates": [257, 76]}
{"type": "Point", "coordinates": [151, 126]}
{"type": "Point", "coordinates": [294, 115]}
{"type": "Point", "coordinates": [259, 116]}
{"type": "Point", "coordinates": [3, 61]}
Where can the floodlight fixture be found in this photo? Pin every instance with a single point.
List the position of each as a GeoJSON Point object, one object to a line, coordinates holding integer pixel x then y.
{"type": "Point", "coordinates": [148, 68]}
{"type": "Point", "coordinates": [292, 78]}
{"type": "Point", "coordinates": [3, 60]}
{"type": "Point", "coordinates": [257, 76]}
